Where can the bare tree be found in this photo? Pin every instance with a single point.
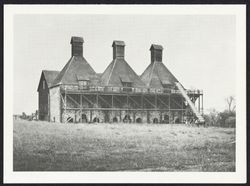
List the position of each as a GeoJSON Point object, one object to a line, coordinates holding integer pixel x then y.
{"type": "Point", "coordinates": [231, 103]}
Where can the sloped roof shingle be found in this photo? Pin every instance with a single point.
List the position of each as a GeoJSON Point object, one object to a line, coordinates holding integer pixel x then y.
{"type": "Point", "coordinates": [118, 71]}
{"type": "Point", "coordinates": [50, 76]}
{"type": "Point", "coordinates": [77, 66]}
{"type": "Point", "coordinates": [157, 74]}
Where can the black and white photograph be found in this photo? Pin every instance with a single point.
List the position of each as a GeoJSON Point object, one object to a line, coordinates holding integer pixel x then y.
{"type": "Point", "coordinates": [125, 92]}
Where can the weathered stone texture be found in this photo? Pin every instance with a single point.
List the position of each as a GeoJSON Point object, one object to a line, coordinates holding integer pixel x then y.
{"type": "Point", "coordinates": [55, 104]}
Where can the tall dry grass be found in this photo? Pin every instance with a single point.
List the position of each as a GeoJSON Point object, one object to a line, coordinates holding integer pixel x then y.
{"type": "Point", "coordinates": [43, 146]}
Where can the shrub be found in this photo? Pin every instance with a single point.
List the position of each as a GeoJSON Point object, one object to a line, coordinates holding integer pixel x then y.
{"type": "Point", "coordinates": [220, 119]}
{"type": "Point", "coordinates": [230, 122]}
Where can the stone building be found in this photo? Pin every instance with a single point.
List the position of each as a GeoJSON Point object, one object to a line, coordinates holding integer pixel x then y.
{"type": "Point", "coordinates": [77, 94]}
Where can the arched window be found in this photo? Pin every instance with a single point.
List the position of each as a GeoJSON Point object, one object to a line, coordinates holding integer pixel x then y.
{"type": "Point", "coordinates": [165, 119]}
{"type": "Point", "coordinates": [176, 120]}
{"type": "Point", "coordinates": [155, 120]}
{"type": "Point", "coordinates": [96, 120]}
{"type": "Point", "coordinates": [84, 118]}
{"type": "Point", "coordinates": [127, 119]}
{"type": "Point", "coordinates": [115, 120]}
{"type": "Point", "coordinates": [138, 120]}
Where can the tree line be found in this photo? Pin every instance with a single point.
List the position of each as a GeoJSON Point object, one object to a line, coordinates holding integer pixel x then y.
{"type": "Point", "coordinates": [226, 118]}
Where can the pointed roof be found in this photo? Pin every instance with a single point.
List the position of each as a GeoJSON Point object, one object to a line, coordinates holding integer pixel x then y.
{"type": "Point", "coordinates": [157, 74]}
{"type": "Point", "coordinates": [77, 67]}
{"type": "Point", "coordinates": [49, 76]}
{"type": "Point", "coordinates": [119, 71]}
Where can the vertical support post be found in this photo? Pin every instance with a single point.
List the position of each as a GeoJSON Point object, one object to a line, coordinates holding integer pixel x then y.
{"type": "Point", "coordinates": [155, 101]}
{"type": "Point", "coordinates": [127, 101]}
{"type": "Point", "coordinates": [90, 116]}
{"type": "Point", "coordinates": [182, 110]}
{"type": "Point", "coordinates": [65, 109]}
{"type": "Point", "coordinates": [120, 115]}
{"type": "Point", "coordinates": [148, 121]}
{"type": "Point", "coordinates": [142, 101]}
{"type": "Point", "coordinates": [75, 117]}
{"type": "Point", "coordinates": [97, 100]}
{"type": "Point", "coordinates": [81, 107]}
{"type": "Point", "coordinates": [112, 104]}
{"type": "Point", "coordinates": [160, 116]}
{"type": "Point", "coordinates": [133, 116]}
{"type": "Point", "coordinates": [199, 103]}
{"type": "Point", "coordinates": [202, 104]}
{"type": "Point", "coordinates": [61, 97]}
{"type": "Point", "coordinates": [48, 108]}
{"type": "Point", "coordinates": [169, 102]}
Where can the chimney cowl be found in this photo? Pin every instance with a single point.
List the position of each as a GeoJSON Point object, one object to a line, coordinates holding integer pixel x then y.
{"type": "Point", "coordinates": [75, 39]}
{"type": "Point", "coordinates": [118, 49]}
{"type": "Point", "coordinates": [156, 53]}
{"type": "Point", "coordinates": [118, 43]}
{"type": "Point", "coordinates": [76, 46]}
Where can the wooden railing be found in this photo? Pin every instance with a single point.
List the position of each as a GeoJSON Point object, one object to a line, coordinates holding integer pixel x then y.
{"type": "Point", "coordinates": [109, 89]}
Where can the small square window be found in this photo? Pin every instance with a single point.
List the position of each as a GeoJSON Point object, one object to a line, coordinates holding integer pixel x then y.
{"type": "Point", "coordinates": [83, 84]}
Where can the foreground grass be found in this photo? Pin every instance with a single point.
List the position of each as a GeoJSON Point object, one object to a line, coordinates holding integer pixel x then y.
{"type": "Point", "coordinates": [42, 146]}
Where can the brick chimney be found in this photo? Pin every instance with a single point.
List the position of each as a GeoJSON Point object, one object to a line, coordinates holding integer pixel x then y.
{"type": "Point", "coordinates": [118, 49]}
{"type": "Point", "coordinates": [76, 46]}
{"type": "Point", "coordinates": [156, 53]}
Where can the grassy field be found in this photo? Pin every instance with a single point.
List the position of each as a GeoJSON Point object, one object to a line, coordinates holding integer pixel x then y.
{"type": "Point", "coordinates": [43, 146]}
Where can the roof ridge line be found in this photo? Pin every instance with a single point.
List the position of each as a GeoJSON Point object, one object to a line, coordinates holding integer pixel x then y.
{"type": "Point", "coordinates": [157, 71]}
{"type": "Point", "coordinates": [67, 68]}
{"type": "Point", "coordinates": [111, 71]}
{"type": "Point", "coordinates": [151, 74]}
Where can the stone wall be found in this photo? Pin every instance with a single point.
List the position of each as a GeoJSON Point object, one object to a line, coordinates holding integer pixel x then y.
{"type": "Point", "coordinates": [55, 104]}
{"type": "Point", "coordinates": [75, 115]}
{"type": "Point", "coordinates": [124, 116]}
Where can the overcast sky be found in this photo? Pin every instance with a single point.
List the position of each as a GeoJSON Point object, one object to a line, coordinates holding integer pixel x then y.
{"type": "Point", "coordinates": [198, 50]}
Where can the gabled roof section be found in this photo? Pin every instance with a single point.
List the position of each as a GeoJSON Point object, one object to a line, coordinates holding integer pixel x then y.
{"type": "Point", "coordinates": [156, 75]}
{"type": "Point", "coordinates": [119, 71]}
{"type": "Point", "coordinates": [77, 66]}
{"type": "Point", "coordinates": [49, 76]}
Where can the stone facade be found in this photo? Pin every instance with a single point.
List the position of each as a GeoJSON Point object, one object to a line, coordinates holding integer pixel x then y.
{"type": "Point", "coordinates": [55, 104]}
{"type": "Point", "coordinates": [93, 113]}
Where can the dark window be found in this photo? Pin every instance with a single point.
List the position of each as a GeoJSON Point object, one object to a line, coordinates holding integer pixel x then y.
{"type": "Point", "coordinates": [84, 118]}
{"type": "Point", "coordinates": [83, 84]}
{"type": "Point", "coordinates": [155, 120]}
{"type": "Point", "coordinates": [127, 119]}
{"type": "Point", "coordinates": [165, 119]}
{"type": "Point", "coordinates": [127, 86]}
{"type": "Point", "coordinates": [96, 120]}
{"type": "Point", "coordinates": [138, 120]}
{"type": "Point", "coordinates": [115, 120]}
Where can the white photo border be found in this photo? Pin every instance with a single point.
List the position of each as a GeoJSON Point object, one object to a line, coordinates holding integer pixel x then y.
{"type": "Point", "coordinates": [239, 176]}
